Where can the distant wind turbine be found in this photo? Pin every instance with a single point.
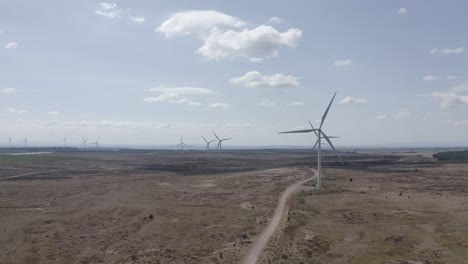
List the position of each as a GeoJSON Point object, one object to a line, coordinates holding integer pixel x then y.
{"type": "Point", "coordinates": [84, 142]}
{"type": "Point", "coordinates": [208, 143]}
{"type": "Point", "coordinates": [182, 144]}
{"type": "Point", "coordinates": [65, 142]}
{"type": "Point", "coordinates": [25, 143]}
{"type": "Point", "coordinates": [96, 144]}
{"type": "Point", "coordinates": [320, 134]}
{"type": "Point", "coordinates": [9, 141]}
{"type": "Point", "coordinates": [220, 141]}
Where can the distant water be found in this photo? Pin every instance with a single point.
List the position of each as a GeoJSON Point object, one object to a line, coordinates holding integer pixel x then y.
{"type": "Point", "coordinates": [29, 153]}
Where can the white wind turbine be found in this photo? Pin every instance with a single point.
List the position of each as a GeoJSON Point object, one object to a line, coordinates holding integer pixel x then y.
{"type": "Point", "coordinates": [84, 142]}
{"type": "Point", "coordinates": [96, 143]}
{"type": "Point", "coordinates": [182, 144]}
{"type": "Point", "coordinates": [25, 143]}
{"type": "Point", "coordinates": [9, 141]}
{"type": "Point", "coordinates": [220, 141]}
{"type": "Point", "coordinates": [208, 143]}
{"type": "Point", "coordinates": [65, 142]}
{"type": "Point", "coordinates": [320, 134]}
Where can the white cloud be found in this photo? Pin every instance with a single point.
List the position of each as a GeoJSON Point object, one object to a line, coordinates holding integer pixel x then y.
{"type": "Point", "coordinates": [180, 90]}
{"type": "Point", "coordinates": [254, 44]}
{"type": "Point", "coordinates": [402, 113]}
{"type": "Point", "coordinates": [381, 117]}
{"type": "Point", "coordinates": [343, 62]}
{"type": "Point", "coordinates": [448, 99]}
{"type": "Point", "coordinates": [296, 104]}
{"type": "Point", "coordinates": [197, 22]}
{"type": "Point", "coordinates": [352, 100]}
{"type": "Point", "coordinates": [109, 10]}
{"type": "Point", "coordinates": [402, 11]}
{"type": "Point", "coordinates": [16, 110]}
{"type": "Point", "coordinates": [446, 51]}
{"type": "Point", "coordinates": [457, 122]}
{"type": "Point", "coordinates": [276, 21]}
{"type": "Point", "coordinates": [161, 98]}
{"type": "Point", "coordinates": [431, 78]}
{"type": "Point", "coordinates": [218, 106]}
{"type": "Point", "coordinates": [460, 88]}
{"type": "Point", "coordinates": [53, 113]}
{"type": "Point", "coordinates": [255, 79]}
{"type": "Point", "coordinates": [11, 45]}
{"type": "Point", "coordinates": [186, 101]}
{"type": "Point", "coordinates": [9, 90]}
{"type": "Point", "coordinates": [137, 19]}
{"type": "Point", "coordinates": [239, 125]}
{"type": "Point", "coordinates": [267, 103]}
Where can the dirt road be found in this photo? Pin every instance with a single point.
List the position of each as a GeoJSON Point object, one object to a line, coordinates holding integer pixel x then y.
{"type": "Point", "coordinates": [258, 246]}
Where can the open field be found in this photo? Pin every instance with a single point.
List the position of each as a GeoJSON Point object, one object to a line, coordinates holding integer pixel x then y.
{"type": "Point", "coordinates": [196, 207]}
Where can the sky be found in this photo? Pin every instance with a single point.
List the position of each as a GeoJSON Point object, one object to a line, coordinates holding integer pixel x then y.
{"type": "Point", "coordinates": [145, 73]}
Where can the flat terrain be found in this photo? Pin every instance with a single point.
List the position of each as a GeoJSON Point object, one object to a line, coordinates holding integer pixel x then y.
{"type": "Point", "coordinates": [196, 207]}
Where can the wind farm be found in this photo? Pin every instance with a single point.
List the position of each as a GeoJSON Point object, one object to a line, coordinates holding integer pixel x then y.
{"type": "Point", "coordinates": [247, 132]}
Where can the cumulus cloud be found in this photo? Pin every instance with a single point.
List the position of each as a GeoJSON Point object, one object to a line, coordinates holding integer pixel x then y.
{"type": "Point", "coordinates": [276, 21]}
{"type": "Point", "coordinates": [239, 125]}
{"type": "Point", "coordinates": [218, 106]}
{"type": "Point", "coordinates": [16, 110]}
{"type": "Point", "coordinates": [221, 40]}
{"type": "Point", "coordinates": [267, 103]}
{"type": "Point", "coordinates": [176, 95]}
{"type": "Point", "coordinates": [446, 51]}
{"type": "Point", "coordinates": [402, 11]}
{"type": "Point", "coordinates": [401, 114]}
{"type": "Point", "coordinates": [431, 78]}
{"type": "Point", "coordinates": [11, 45]}
{"type": "Point", "coordinates": [296, 103]}
{"type": "Point", "coordinates": [457, 122]}
{"type": "Point", "coordinates": [180, 90]}
{"type": "Point", "coordinates": [448, 99]}
{"type": "Point", "coordinates": [137, 19]}
{"type": "Point", "coordinates": [196, 22]}
{"type": "Point", "coordinates": [109, 10]}
{"type": "Point", "coordinates": [9, 90]}
{"type": "Point", "coordinates": [254, 44]}
{"type": "Point", "coordinates": [346, 62]}
{"type": "Point", "coordinates": [53, 113]}
{"type": "Point", "coordinates": [352, 100]}
{"type": "Point", "coordinates": [255, 79]}
{"type": "Point", "coordinates": [460, 88]}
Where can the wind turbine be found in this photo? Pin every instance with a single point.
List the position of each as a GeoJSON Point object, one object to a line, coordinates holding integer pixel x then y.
{"type": "Point", "coordinates": [65, 142]}
{"type": "Point", "coordinates": [9, 141]}
{"type": "Point", "coordinates": [208, 143]}
{"type": "Point", "coordinates": [96, 143]}
{"type": "Point", "coordinates": [84, 142]}
{"type": "Point", "coordinates": [182, 144]}
{"type": "Point", "coordinates": [220, 141]}
{"type": "Point", "coordinates": [25, 143]}
{"type": "Point", "coordinates": [320, 134]}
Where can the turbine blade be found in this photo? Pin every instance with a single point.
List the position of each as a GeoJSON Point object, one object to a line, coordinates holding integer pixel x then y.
{"type": "Point", "coordinates": [316, 144]}
{"type": "Point", "coordinates": [298, 131]}
{"type": "Point", "coordinates": [333, 147]}
{"type": "Point", "coordinates": [326, 112]}
{"type": "Point", "coordinates": [310, 123]}
{"type": "Point", "coordinates": [205, 139]}
{"type": "Point", "coordinates": [215, 134]}
{"type": "Point", "coordinates": [225, 139]}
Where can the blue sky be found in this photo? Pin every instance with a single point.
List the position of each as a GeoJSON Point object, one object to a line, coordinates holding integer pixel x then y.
{"type": "Point", "coordinates": [148, 72]}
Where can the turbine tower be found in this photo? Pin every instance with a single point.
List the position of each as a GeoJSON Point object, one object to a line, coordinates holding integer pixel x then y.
{"type": "Point", "coordinates": [25, 143]}
{"type": "Point", "coordinates": [208, 143]}
{"type": "Point", "coordinates": [220, 141]}
{"type": "Point", "coordinates": [9, 141]}
{"type": "Point", "coordinates": [96, 143]}
{"type": "Point", "coordinates": [182, 144]}
{"type": "Point", "coordinates": [84, 142]}
{"type": "Point", "coordinates": [320, 134]}
{"type": "Point", "coordinates": [65, 142]}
